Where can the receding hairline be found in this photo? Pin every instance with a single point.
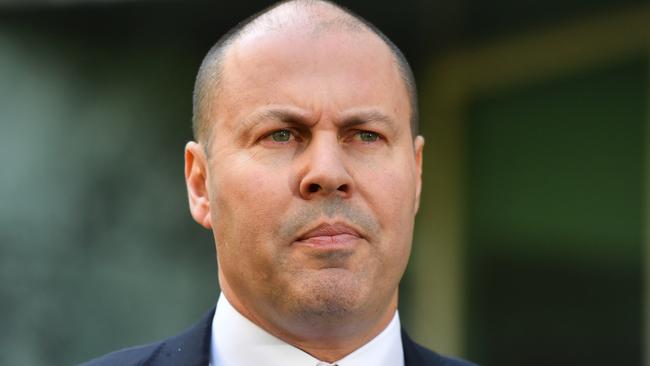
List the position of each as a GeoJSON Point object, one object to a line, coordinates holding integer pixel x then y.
{"type": "Point", "coordinates": [322, 16]}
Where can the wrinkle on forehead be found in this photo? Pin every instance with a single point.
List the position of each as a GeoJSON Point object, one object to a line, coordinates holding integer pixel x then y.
{"type": "Point", "coordinates": [306, 18]}
{"type": "Point", "coordinates": [298, 19]}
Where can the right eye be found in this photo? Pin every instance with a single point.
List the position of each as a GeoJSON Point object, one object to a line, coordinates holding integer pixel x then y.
{"type": "Point", "coordinates": [281, 136]}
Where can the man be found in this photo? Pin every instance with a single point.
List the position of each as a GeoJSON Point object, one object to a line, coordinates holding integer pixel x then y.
{"type": "Point", "coordinates": [307, 168]}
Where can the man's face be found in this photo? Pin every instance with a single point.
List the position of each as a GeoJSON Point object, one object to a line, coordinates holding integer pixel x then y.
{"type": "Point", "coordinates": [313, 179]}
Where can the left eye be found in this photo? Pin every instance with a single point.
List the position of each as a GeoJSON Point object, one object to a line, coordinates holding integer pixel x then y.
{"type": "Point", "coordinates": [281, 136]}
{"type": "Point", "coordinates": [367, 136]}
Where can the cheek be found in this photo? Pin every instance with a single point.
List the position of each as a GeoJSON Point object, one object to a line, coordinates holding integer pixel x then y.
{"type": "Point", "coordinates": [246, 206]}
{"type": "Point", "coordinates": [390, 195]}
{"type": "Point", "coordinates": [397, 208]}
{"type": "Point", "coordinates": [245, 189]}
{"type": "Point", "coordinates": [397, 215]}
{"type": "Point", "coordinates": [390, 190]}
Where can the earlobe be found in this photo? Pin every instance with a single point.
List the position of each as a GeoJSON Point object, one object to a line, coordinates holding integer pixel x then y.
{"type": "Point", "coordinates": [418, 147]}
{"type": "Point", "coordinates": [197, 184]}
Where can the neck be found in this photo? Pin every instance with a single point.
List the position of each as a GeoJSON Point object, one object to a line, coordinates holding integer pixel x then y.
{"type": "Point", "coordinates": [328, 341]}
{"type": "Point", "coordinates": [336, 345]}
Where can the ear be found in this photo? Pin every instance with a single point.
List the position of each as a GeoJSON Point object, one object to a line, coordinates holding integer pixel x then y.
{"type": "Point", "coordinates": [196, 180]}
{"type": "Point", "coordinates": [418, 145]}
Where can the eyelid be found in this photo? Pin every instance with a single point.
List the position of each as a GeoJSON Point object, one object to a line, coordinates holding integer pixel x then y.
{"type": "Point", "coordinates": [267, 136]}
{"type": "Point", "coordinates": [297, 136]}
{"type": "Point", "coordinates": [358, 131]}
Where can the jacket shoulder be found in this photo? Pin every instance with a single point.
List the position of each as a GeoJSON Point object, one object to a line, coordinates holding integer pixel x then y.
{"type": "Point", "coordinates": [417, 355]}
{"type": "Point", "coordinates": [133, 356]}
{"type": "Point", "coordinates": [432, 358]}
{"type": "Point", "coordinates": [190, 348]}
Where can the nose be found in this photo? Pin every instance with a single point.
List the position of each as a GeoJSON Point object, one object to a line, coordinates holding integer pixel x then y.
{"type": "Point", "coordinates": [323, 170]}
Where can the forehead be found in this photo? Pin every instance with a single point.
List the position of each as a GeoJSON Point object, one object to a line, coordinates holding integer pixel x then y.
{"type": "Point", "coordinates": [315, 69]}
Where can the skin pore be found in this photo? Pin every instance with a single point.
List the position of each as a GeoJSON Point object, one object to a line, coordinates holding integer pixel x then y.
{"type": "Point", "coordinates": [310, 129]}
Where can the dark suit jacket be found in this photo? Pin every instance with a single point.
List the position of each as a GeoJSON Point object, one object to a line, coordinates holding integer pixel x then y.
{"type": "Point", "coordinates": [192, 348]}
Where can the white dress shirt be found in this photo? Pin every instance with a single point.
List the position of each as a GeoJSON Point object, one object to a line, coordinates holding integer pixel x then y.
{"type": "Point", "coordinates": [236, 341]}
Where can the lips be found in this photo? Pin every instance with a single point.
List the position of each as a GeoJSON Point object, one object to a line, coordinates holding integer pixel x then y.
{"type": "Point", "coordinates": [330, 236]}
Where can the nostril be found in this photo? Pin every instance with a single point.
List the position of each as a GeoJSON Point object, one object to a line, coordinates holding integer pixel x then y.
{"type": "Point", "coordinates": [343, 188]}
{"type": "Point", "coordinates": [313, 188]}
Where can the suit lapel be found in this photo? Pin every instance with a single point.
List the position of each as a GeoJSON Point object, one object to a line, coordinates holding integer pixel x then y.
{"type": "Point", "coordinates": [416, 355]}
{"type": "Point", "coordinates": [411, 356]}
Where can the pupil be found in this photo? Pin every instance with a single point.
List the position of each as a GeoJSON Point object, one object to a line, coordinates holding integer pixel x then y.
{"type": "Point", "coordinates": [368, 136]}
{"type": "Point", "coordinates": [281, 136]}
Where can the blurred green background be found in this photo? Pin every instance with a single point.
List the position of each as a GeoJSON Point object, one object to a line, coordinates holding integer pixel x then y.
{"type": "Point", "coordinates": [531, 244]}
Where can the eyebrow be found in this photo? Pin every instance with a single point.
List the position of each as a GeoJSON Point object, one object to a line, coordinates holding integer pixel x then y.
{"type": "Point", "coordinates": [365, 116]}
{"type": "Point", "coordinates": [296, 116]}
{"type": "Point", "coordinates": [283, 114]}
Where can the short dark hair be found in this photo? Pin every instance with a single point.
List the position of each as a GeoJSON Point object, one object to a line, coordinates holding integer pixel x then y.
{"type": "Point", "coordinates": [211, 69]}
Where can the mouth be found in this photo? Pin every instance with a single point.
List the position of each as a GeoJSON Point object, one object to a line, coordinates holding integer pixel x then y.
{"type": "Point", "coordinates": [330, 236]}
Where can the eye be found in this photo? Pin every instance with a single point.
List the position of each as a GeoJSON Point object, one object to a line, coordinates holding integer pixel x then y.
{"type": "Point", "coordinates": [281, 136]}
{"type": "Point", "coordinates": [368, 136]}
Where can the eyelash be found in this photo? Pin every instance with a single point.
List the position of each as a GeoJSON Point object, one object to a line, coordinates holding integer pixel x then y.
{"type": "Point", "coordinates": [293, 136]}
{"type": "Point", "coordinates": [374, 135]}
{"type": "Point", "coordinates": [296, 136]}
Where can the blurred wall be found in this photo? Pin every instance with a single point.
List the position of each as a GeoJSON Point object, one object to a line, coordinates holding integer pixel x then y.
{"type": "Point", "coordinates": [98, 251]}
{"type": "Point", "coordinates": [536, 197]}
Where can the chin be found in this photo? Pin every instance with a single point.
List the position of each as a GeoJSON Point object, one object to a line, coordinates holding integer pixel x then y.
{"type": "Point", "coordinates": [333, 294]}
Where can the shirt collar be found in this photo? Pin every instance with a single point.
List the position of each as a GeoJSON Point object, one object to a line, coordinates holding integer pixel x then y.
{"type": "Point", "coordinates": [236, 341]}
